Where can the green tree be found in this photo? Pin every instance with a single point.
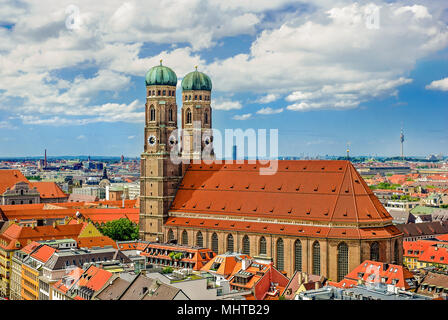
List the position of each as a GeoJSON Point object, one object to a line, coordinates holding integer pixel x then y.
{"type": "Point", "coordinates": [120, 230]}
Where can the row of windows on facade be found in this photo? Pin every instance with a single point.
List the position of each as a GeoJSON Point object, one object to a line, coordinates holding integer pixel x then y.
{"type": "Point", "coordinates": [152, 115]}
{"type": "Point", "coordinates": [172, 93]}
{"type": "Point", "coordinates": [342, 256]}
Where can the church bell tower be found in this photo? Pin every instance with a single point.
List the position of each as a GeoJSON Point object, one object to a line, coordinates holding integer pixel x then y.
{"type": "Point", "coordinates": [159, 176]}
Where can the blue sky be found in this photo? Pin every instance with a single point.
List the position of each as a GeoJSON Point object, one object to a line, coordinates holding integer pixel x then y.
{"type": "Point", "coordinates": [315, 70]}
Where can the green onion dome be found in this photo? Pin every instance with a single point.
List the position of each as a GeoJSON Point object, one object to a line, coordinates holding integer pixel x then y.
{"type": "Point", "coordinates": [161, 75]}
{"type": "Point", "coordinates": [196, 81]}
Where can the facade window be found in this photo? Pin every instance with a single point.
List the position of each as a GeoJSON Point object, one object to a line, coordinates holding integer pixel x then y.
{"type": "Point", "coordinates": [195, 97]}
{"type": "Point", "coordinates": [188, 116]}
{"type": "Point", "coordinates": [152, 114]}
{"type": "Point", "coordinates": [262, 245]}
{"type": "Point", "coordinates": [297, 255]}
{"type": "Point", "coordinates": [280, 255]}
{"type": "Point", "coordinates": [170, 235]}
{"type": "Point", "coordinates": [316, 258]}
{"type": "Point", "coordinates": [170, 115]}
{"type": "Point", "coordinates": [375, 251]}
{"type": "Point", "coordinates": [230, 243]}
{"type": "Point", "coordinates": [206, 117]}
{"type": "Point", "coordinates": [342, 260]}
{"type": "Point", "coordinates": [189, 97]}
{"type": "Point", "coordinates": [158, 92]}
{"type": "Point", "coordinates": [164, 92]}
{"type": "Point", "coordinates": [185, 237]}
{"type": "Point", "coordinates": [200, 97]}
{"type": "Point", "coordinates": [246, 245]}
{"type": "Point", "coordinates": [185, 98]}
{"type": "Point", "coordinates": [199, 239]}
{"type": "Point", "coordinates": [215, 242]}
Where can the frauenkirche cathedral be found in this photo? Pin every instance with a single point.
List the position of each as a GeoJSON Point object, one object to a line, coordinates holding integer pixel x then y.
{"type": "Point", "coordinates": [315, 216]}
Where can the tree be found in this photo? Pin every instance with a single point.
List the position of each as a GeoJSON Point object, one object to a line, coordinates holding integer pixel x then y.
{"type": "Point", "coordinates": [120, 230]}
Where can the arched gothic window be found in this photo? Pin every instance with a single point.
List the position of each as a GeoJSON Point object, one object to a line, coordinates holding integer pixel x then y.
{"type": "Point", "coordinates": [297, 255]}
{"type": "Point", "coordinates": [185, 237]}
{"type": "Point", "coordinates": [215, 242]}
{"type": "Point", "coordinates": [375, 251]}
{"type": "Point", "coordinates": [170, 235]}
{"type": "Point", "coordinates": [316, 258]}
{"type": "Point", "coordinates": [188, 120]}
{"type": "Point", "coordinates": [152, 114]}
{"type": "Point", "coordinates": [342, 260]}
{"type": "Point", "coordinates": [246, 245]}
{"type": "Point", "coordinates": [206, 117]}
{"type": "Point", "coordinates": [199, 239]}
{"type": "Point", "coordinates": [230, 243]}
{"type": "Point", "coordinates": [280, 255]}
{"type": "Point", "coordinates": [170, 114]}
{"type": "Point", "coordinates": [262, 245]}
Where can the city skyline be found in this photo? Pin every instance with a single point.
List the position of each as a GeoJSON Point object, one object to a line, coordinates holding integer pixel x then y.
{"type": "Point", "coordinates": [320, 73]}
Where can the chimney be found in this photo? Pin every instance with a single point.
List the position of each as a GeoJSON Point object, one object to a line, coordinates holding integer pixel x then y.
{"type": "Point", "coordinates": [300, 278]}
{"type": "Point", "coordinates": [245, 263]}
{"type": "Point", "coordinates": [316, 285]}
{"type": "Point", "coordinates": [306, 277]}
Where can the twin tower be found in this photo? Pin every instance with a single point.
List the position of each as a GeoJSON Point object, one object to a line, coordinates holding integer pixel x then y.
{"type": "Point", "coordinates": [159, 174]}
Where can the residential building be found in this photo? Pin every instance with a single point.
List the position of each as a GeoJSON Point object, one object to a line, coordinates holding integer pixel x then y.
{"type": "Point", "coordinates": [360, 292]}
{"type": "Point", "coordinates": [262, 279]}
{"type": "Point", "coordinates": [301, 282]}
{"type": "Point", "coordinates": [374, 272]}
{"type": "Point", "coordinates": [424, 230]}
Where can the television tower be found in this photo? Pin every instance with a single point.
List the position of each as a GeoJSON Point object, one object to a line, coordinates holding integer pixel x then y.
{"type": "Point", "coordinates": [401, 141]}
{"type": "Point", "coordinates": [45, 160]}
{"type": "Point", "coordinates": [348, 150]}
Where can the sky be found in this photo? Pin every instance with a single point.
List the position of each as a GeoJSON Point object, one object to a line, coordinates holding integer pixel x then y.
{"type": "Point", "coordinates": [324, 73]}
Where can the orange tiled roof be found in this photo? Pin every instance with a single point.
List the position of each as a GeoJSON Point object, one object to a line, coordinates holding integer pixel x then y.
{"type": "Point", "coordinates": [43, 253]}
{"type": "Point", "coordinates": [8, 178]}
{"type": "Point", "coordinates": [49, 190]}
{"type": "Point", "coordinates": [328, 191]}
{"type": "Point", "coordinates": [94, 278]}
{"type": "Point", "coordinates": [285, 229]}
{"type": "Point", "coordinates": [89, 242]}
{"type": "Point", "coordinates": [435, 254]}
{"type": "Point", "coordinates": [74, 274]}
{"type": "Point", "coordinates": [16, 234]}
{"type": "Point", "coordinates": [371, 271]}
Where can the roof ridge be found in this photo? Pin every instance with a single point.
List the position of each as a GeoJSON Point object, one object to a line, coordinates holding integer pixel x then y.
{"type": "Point", "coordinates": [351, 167]}
{"type": "Point", "coordinates": [339, 193]}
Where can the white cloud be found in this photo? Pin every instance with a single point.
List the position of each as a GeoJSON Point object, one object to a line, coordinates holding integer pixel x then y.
{"type": "Point", "coordinates": [81, 137]}
{"type": "Point", "coordinates": [441, 84]}
{"type": "Point", "coordinates": [268, 98]}
{"type": "Point", "coordinates": [243, 116]}
{"type": "Point", "coordinates": [131, 137]}
{"type": "Point", "coordinates": [224, 104]}
{"type": "Point", "coordinates": [334, 61]}
{"type": "Point", "coordinates": [269, 110]}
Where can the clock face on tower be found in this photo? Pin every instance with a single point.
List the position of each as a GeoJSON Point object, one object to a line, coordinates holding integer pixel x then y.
{"type": "Point", "coordinates": [152, 140]}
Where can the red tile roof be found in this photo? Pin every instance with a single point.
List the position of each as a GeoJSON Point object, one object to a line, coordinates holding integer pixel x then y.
{"type": "Point", "coordinates": [49, 190]}
{"type": "Point", "coordinates": [8, 178]}
{"type": "Point", "coordinates": [373, 271]}
{"type": "Point", "coordinates": [43, 253]}
{"type": "Point", "coordinates": [285, 229]}
{"type": "Point", "coordinates": [317, 190]}
{"type": "Point", "coordinates": [94, 278]}
{"type": "Point", "coordinates": [75, 274]}
{"type": "Point", "coordinates": [89, 242]}
{"type": "Point", "coordinates": [17, 236]}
